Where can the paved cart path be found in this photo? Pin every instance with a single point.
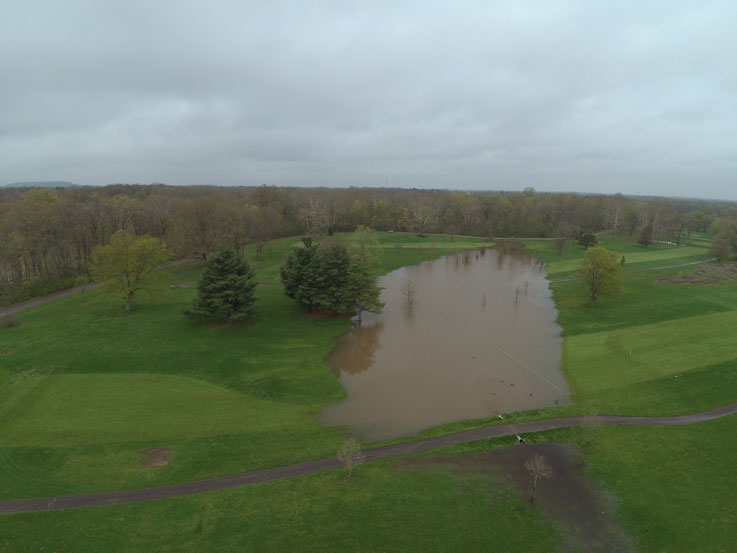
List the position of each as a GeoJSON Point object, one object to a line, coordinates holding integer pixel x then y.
{"type": "Point", "coordinates": [299, 469]}
{"type": "Point", "coordinates": [71, 292]}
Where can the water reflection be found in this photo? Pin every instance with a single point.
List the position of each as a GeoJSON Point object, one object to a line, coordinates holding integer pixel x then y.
{"type": "Point", "coordinates": [356, 353]}
{"type": "Point", "coordinates": [479, 337]}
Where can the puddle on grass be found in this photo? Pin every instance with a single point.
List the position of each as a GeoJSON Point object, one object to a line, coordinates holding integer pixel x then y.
{"type": "Point", "coordinates": [479, 339]}
{"type": "Point", "coordinates": [576, 504]}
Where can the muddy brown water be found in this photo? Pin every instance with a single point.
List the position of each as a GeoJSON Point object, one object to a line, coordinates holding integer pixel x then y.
{"type": "Point", "coordinates": [480, 338]}
{"type": "Point", "coordinates": [585, 513]}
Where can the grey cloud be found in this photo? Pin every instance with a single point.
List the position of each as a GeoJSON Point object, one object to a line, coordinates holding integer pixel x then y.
{"type": "Point", "coordinates": [627, 97]}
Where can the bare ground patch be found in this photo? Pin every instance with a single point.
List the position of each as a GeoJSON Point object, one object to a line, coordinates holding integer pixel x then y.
{"type": "Point", "coordinates": [710, 273]}
{"type": "Point", "coordinates": [156, 457]}
{"type": "Point", "coordinates": [576, 504]}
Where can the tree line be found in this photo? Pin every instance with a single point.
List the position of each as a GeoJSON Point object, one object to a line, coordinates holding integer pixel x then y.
{"type": "Point", "coordinates": [47, 236]}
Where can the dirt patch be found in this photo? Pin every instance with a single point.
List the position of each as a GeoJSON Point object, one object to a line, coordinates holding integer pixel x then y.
{"type": "Point", "coordinates": [584, 512]}
{"type": "Point", "coordinates": [711, 273]}
{"type": "Point", "coordinates": [157, 457]}
{"type": "Point", "coordinates": [4, 351]}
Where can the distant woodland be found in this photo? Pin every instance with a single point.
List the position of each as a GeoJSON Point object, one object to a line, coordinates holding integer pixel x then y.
{"type": "Point", "coordinates": [47, 235]}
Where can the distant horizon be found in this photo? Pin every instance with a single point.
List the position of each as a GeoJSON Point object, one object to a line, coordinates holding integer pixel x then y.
{"type": "Point", "coordinates": [40, 184]}
{"type": "Point", "coordinates": [638, 98]}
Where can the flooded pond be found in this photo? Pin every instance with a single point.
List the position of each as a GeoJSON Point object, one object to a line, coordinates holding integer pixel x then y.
{"type": "Point", "coordinates": [478, 339]}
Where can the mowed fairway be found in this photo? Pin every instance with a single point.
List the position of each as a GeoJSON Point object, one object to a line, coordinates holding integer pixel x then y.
{"type": "Point", "coordinates": [86, 388]}
{"type": "Point", "coordinates": [84, 384]}
{"type": "Point", "coordinates": [79, 409]}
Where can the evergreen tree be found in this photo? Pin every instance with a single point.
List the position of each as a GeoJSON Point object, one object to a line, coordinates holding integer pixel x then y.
{"type": "Point", "coordinates": [587, 240]}
{"type": "Point", "coordinates": [317, 278]}
{"type": "Point", "coordinates": [330, 269]}
{"type": "Point", "coordinates": [294, 272]}
{"type": "Point", "coordinates": [226, 291]}
{"type": "Point", "coordinates": [327, 279]}
{"type": "Point", "coordinates": [363, 293]}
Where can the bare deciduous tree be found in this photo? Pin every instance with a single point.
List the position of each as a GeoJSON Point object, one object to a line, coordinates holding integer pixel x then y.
{"type": "Point", "coordinates": [315, 216]}
{"type": "Point", "coordinates": [408, 290]}
{"type": "Point", "coordinates": [422, 219]}
{"type": "Point", "coordinates": [350, 455]}
{"type": "Point", "coordinates": [538, 468]}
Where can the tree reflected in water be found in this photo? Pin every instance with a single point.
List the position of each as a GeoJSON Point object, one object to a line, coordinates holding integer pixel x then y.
{"type": "Point", "coordinates": [355, 351]}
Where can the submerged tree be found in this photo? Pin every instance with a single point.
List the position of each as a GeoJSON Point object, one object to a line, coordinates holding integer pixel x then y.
{"type": "Point", "coordinates": [600, 271]}
{"type": "Point", "coordinates": [408, 290]}
{"type": "Point", "coordinates": [126, 263]}
{"type": "Point", "coordinates": [538, 468]}
{"type": "Point", "coordinates": [226, 291]}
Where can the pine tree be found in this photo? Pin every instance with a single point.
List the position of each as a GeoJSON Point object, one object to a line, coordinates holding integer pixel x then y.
{"type": "Point", "coordinates": [294, 272]}
{"type": "Point", "coordinates": [330, 268]}
{"type": "Point", "coordinates": [226, 291]}
{"type": "Point", "coordinates": [363, 293]}
{"type": "Point", "coordinates": [317, 278]}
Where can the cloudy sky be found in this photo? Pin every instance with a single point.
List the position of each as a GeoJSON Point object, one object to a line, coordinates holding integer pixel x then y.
{"type": "Point", "coordinates": [631, 97]}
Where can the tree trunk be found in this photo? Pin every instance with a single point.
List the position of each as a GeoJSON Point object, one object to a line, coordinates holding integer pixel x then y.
{"type": "Point", "coordinates": [128, 301]}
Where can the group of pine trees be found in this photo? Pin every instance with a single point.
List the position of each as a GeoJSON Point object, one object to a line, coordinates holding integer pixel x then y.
{"type": "Point", "coordinates": [318, 276]}
{"type": "Point", "coordinates": [325, 277]}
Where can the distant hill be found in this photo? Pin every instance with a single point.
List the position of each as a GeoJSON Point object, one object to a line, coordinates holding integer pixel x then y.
{"type": "Point", "coordinates": [44, 184]}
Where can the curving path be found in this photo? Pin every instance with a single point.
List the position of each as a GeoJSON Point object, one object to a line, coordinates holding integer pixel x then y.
{"type": "Point", "coordinates": [72, 291]}
{"type": "Point", "coordinates": [299, 469]}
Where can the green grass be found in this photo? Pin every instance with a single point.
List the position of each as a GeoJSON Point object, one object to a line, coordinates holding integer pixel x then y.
{"type": "Point", "coordinates": [381, 509]}
{"type": "Point", "coordinates": [77, 409]}
{"type": "Point", "coordinates": [96, 386]}
{"type": "Point", "coordinates": [84, 388]}
{"type": "Point", "coordinates": [637, 257]}
{"type": "Point", "coordinates": [675, 485]}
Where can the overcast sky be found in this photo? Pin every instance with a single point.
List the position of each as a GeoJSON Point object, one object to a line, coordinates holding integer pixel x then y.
{"type": "Point", "coordinates": [560, 95]}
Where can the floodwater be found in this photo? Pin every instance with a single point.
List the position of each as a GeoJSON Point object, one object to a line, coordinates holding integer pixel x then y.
{"type": "Point", "coordinates": [478, 339]}
{"type": "Point", "coordinates": [577, 505]}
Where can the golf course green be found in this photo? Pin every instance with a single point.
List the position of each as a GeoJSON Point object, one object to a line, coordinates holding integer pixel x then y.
{"type": "Point", "coordinates": [84, 389]}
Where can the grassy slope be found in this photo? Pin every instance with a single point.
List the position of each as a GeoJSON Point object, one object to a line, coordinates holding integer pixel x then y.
{"type": "Point", "coordinates": [643, 465]}
{"type": "Point", "coordinates": [89, 387]}
{"type": "Point", "coordinates": [382, 509]}
{"type": "Point", "coordinates": [659, 349]}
